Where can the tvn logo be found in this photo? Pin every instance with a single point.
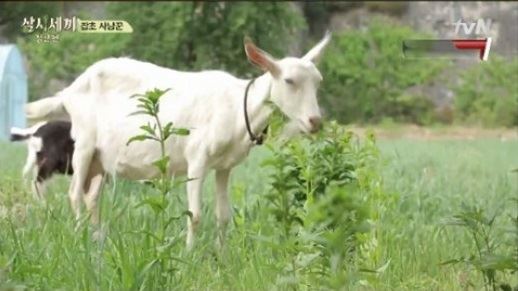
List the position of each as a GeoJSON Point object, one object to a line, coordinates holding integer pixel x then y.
{"type": "Point", "coordinates": [469, 48]}
{"type": "Point", "coordinates": [480, 27]}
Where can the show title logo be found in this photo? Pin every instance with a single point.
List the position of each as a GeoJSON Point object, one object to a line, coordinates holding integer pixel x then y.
{"type": "Point", "coordinates": [48, 29]}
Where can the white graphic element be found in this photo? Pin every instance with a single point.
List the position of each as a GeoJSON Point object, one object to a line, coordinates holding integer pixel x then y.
{"type": "Point", "coordinates": [482, 26]}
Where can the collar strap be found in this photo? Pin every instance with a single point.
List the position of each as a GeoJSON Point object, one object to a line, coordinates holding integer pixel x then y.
{"type": "Point", "coordinates": [256, 139]}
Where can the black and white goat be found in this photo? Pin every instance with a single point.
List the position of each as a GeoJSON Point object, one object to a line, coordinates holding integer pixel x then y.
{"type": "Point", "coordinates": [50, 149]}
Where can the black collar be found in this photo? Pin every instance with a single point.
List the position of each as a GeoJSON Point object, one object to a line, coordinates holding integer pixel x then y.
{"type": "Point", "coordinates": [256, 139]}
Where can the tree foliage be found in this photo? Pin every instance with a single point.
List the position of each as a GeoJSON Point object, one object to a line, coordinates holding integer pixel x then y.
{"type": "Point", "coordinates": [366, 76]}
{"type": "Point", "coordinates": [13, 13]}
{"type": "Point", "coordinates": [184, 36]}
{"type": "Point", "coordinates": [488, 94]}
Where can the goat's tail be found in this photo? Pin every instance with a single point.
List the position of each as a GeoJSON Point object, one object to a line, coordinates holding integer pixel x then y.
{"type": "Point", "coordinates": [52, 108]}
{"type": "Point", "coordinates": [46, 109]}
{"type": "Point", "coordinates": [18, 134]}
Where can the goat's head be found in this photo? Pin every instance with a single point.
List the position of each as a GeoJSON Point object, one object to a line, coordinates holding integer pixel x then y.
{"type": "Point", "coordinates": [294, 83]}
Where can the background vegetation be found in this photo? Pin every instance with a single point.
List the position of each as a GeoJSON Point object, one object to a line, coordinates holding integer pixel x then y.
{"type": "Point", "coordinates": [366, 78]}
{"type": "Point", "coordinates": [488, 94]}
{"type": "Point", "coordinates": [185, 36]}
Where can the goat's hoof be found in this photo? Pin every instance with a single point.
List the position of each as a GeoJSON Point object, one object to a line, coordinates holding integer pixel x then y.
{"type": "Point", "coordinates": [99, 235]}
{"type": "Point", "coordinates": [77, 227]}
{"type": "Point", "coordinates": [220, 244]}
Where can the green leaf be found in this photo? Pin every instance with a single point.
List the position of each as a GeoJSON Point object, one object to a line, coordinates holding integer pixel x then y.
{"type": "Point", "coordinates": [145, 101]}
{"type": "Point", "coordinates": [139, 112]}
{"type": "Point", "coordinates": [162, 164]}
{"type": "Point", "coordinates": [148, 108]}
{"type": "Point", "coordinates": [167, 130]}
{"type": "Point", "coordinates": [498, 262]}
{"type": "Point", "coordinates": [136, 95]}
{"type": "Point", "coordinates": [140, 137]}
{"type": "Point", "coordinates": [156, 203]}
{"type": "Point", "coordinates": [147, 267]}
{"type": "Point", "coordinates": [165, 248]}
{"type": "Point", "coordinates": [155, 95]}
{"type": "Point", "coordinates": [181, 131]}
{"type": "Point", "coordinates": [384, 267]}
{"type": "Point", "coordinates": [147, 128]}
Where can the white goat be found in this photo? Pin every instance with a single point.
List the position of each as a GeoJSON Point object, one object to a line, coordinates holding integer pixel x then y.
{"type": "Point", "coordinates": [210, 103]}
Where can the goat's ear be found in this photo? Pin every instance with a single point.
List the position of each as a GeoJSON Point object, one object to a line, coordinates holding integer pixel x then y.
{"type": "Point", "coordinates": [261, 58]}
{"type": "Point", "coordinates": [316, 52]}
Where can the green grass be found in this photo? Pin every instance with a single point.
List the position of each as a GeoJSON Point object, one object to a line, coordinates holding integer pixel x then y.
{"type": "Point", "coordinates": [427, 181]}
{"type": "Point", "coordinates": [431, 180]}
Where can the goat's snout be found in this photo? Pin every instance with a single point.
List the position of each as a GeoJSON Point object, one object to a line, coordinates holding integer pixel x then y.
{"type": "Point", "coordinates": [316, 123]}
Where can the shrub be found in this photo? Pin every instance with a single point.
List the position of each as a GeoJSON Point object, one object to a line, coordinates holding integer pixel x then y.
{"type": "Point", "coordinates": [487, 94]}
{"type": "Point", "coordinates": [162, 243]}
{"type": "Point", "coordinates": [494, 253]}
{"type": "Point", "coordinates": [366, 76]}
{"type": "Point", "coordinates": [324, 196]}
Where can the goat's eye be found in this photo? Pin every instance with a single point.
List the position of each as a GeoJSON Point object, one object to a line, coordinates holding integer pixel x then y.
{"type": "Point", "coordinates": [289, 81]}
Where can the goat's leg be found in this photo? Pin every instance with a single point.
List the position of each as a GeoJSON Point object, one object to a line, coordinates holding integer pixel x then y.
{"type": "Point", "coordinates": [39, 188]}
{"type": "Point", "coordinates": [39, 185]}
{"type": "Point", "coordinates": [81, 161]}
{"type": "Point", "coordinates": [30, 163]}
{"type": "Point", "coordinates": [196, 172]}
{"type": "Point", "coordinates": [222, 204]}
{"type": "Point", "coordinates": [92, 187]}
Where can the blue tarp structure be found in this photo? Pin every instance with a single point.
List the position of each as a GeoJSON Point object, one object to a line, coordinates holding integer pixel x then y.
{"type": "Point", "coordinates": [13, 90]}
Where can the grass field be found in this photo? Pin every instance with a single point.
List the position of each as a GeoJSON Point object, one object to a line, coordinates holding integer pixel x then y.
{"type": "Point", "coordinates": [427, 180]}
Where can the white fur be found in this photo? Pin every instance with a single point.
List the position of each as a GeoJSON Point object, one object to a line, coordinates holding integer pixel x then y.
{"type": "Point", "coordinates": [27, 131]}
{"type": "Point", "coordinates": [209, 103]}
{"type": "Point", "coordinates": [34, 145]}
